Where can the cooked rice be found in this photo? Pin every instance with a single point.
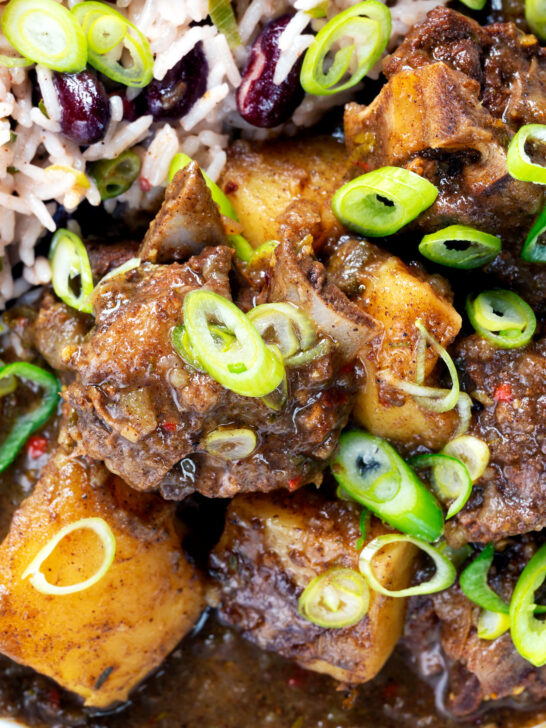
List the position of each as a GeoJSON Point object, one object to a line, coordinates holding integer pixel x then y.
{"type": "Point", "coordinates": [30, 141]}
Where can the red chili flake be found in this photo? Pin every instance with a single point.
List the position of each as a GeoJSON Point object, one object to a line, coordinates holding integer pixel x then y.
{"type": "Point", "coordinates": [297, 678]}
{"type": "Point", "coordinates": [389, 691]}
{"type": "Point", "coordinates": [36, 446]}
{"type": "Point", "coordinates": [54, 697]}
{"type": "Point", "coordinates": [144, 183]}
{"type": "Point", "coordinates": [365, 166]}
{"type": "Point", "coordinates": [294, 483]}
{"type": "Point", "coordinates": [347, 368]}
{"type": "Point", "coordinates": [169, 426]}
{"type": "Point", "coordinates": [503, 393]}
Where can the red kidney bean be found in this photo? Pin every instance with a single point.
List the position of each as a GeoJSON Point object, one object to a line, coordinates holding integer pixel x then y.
{"type": "Point", "coordinates": [172, 97]}
{"type": "Point", "coordinates": [85, 107]}
{"type": "Point", "coordinates": [260, 101]}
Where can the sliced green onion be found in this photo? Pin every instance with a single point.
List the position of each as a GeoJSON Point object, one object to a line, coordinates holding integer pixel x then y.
{"type": "Point", "coordinates": [277, 398]}
{"type": "Point", "coordinates": [248, 367]}
{"type": "Point", "coordinates": [450, 479]}
{"type": "Point", "coordinates": [383, 201]}
{"type": "Point", "coordinates": [535, 14]}
{"type": "Point", "coordinates": [222, 15]}
{"type": "Point", "coordinates": [132, 43]}
{"type": "Point", "coordinates": [231, 443]}
{"type": "Point", "coordinates": [464, 410]}
{"type": "Point", "coordinates": [472, 451]}
{"type": "Point", "coordinates": [492, 624]}
{"type": "Point", "coordinates": [69, 259]}
{"type": "Point", "coordinates": [36, 417]}
{"type": "Point", "coordinates": [130, 264]}
{"type": "Point", "coordinates": [262, 254]}
{"type": "Point", "coordinates": [457, 556]}
{"type": "Point", "coordinates": [14, 61]}
{"type": "Point", "coordinates": [181, 343]}
{"type": "Point", "coordinates": [502, 317]}
{"type": "Point", "coordinates": [291, 330]}
{"type": "Point", "coordinates": [7, 384]}
{"type": "Point", "coordinates": [338, 598]}
{"type": "Point", "coordinates": [518, 162]}
{"type": "Point", "coordinates": [369, 24]}
{"type": "Point", "coordinates": [373, 473]}
{"type": "Point", "coordinates": [474, 4]}
{"type": "Point", "coordinates": [115, 176]}
{"type": "Point", "coordinates": [318, 11]}
{"type": "Point", "coordinates": [322, 348]}
{"type": "Point", "coordinates": [365, 518]}
{"type": "Point", "coordinates": [45, 32]}
{"type": "Point", "coordinates": [460, 246]}
{"type": "Point", "coordinates": [243, 249]}
{"type": "Point", "coordinates": [443, 578]}
{"type": "Point", "coordinates": [528, 632]}
{"type": "Point", "coordinates": [474, 584]}
{"type": "Point", "coordinates": [534, 248]}
{"type": "Point", "coordinates": [108, 540]}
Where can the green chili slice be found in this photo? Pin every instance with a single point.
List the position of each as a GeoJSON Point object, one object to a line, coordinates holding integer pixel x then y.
{"type": "Point", "coordinates": [114, 176]}
{"type": "Point", "coordinates": [248, 367]}
{"type": "Point", "coordinates": [518, 162]}
{"type": "Point", "coordinates": [338, 598]}
{"type": "Point", "coordinates": [460, 246]}
{"type": "Point", "coordinates": [69, 259]}
{"type": "Point", "coordinates": [371, 471]}
{"type": "Point", "coordinates": [535, 14]}
{"type": "Point", "coordinates": [222, 15]}
{"type": "Point", "coordinates": [534, 248]}
{"type": "Point", "coordinates": [474, 4]}
{"type": "Point", "coordinates": [492, 624]}
{"type": "Point", "coordinates": [45, 32]}
{"type": "Point", "coordinates": [369, 25]}
{"type": "Point", "coordinates": [450, 479]}
{"type": "Point", "coordinates": [443, 578]}
{"type": "Point", "coordinates": [528, 632]}
{"type": "Point", "coordinates": [474, 584]}
{"type": "Point", "coordinates": [38, 416]}
{"type": "Point", "coordinates": [383, 201]}
{"type": "Point", "coordinates": [502, 317]}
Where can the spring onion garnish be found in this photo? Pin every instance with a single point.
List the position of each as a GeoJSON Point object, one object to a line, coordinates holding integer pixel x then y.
{"type": "Point", "coordinates": [535, 14]}
{"type": "Point", "coordinates": [45, 32]}
{"type": "Point", "coordinates": [365, 518]}
{"type": "Point", "coordinates": [474, 4]}
{"type": "Point", "coordinates": [338, 598]}
{"type": "Point", "coordinates": [322, 348]}
{"type": "Point", "coordinates": [103, 26]}
{"type": "Point", "coordinates": [69, 259]}
{"type": "Point", "coordinates": [460, 246]}
{"type": "Point", "coordinates": [285, 325]}
{"type": "Point", "coordinates": [474, 584]}
{"type": "Point", "coordinates": [108, 540]}
{"type": "Point", "coordinates": [472, 451]}
{"type": "Point", "coordinates": [502, 317]}
{"type": "Point", "coordinates": [130, 264]}
{"type": "Point", "coordinates": [261, 256]}
{"type": "Point", "coordinates": [518, 162]}
{"type": "Point", "coordinates": [368, 25]}
{"type": "Point", "coordinates": [443, 578]}
{"type": "Point", "coordinates": [181, 343]}
{"type": "Point", "coordinates": [14, 61]}
{"type": "Point", "coordinates": [450, 479]}
{"type": "Point", "coordinates": [371, 471]}
{"type": "Point", "coordinates": [231, 443]}
{"type": "Point", "coordinates": [28, 423]}
{"type": "Point", "coordinates": [115, 176]}
{"type": "Point", "coordinates": [528, 632]}
{"type": "Point", "coordinates": [492, 624]}
{"type": "Point", "coordinates": [222, 15]}
{"type": "Point", "coordinates": [383, 201]}
{"type": "Point", "coordinates": [7, 384]}
{"type": "Point", "coordinates": [248, 366]}
{"type": "Point", "coordinates": [534, 248]}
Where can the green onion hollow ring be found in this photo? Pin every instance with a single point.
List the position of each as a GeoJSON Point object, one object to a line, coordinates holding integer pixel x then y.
{"type": "Point", "coordinates": [460, 246]}
{"type": "Point", "coordinates": [492, 624]}
{"type": "Point", "coordinates": [248, 367]}
{"type": "Point", "coordinates": [472, 451]}
{"type": "Point", "coordinates": [69, 259]}
{"type": "Point", "coordinates": [383, 201]}
{"type": "Point", "coordinates": [529, 633]}
{"type": "Point", "coordinates": [130, 264]}
{"type": "Point", "coordinates": [450, 479]}
{"type": "Point", "coordinates": [181, 342]}
{"type": "Point", "coordinates": [371, 471]}
{"type": "Point", "coordinates": [369, 22]}
{"type": "Point", "coordinates": [108, 540]}
{"type": "Point", "coordinates": [443, 578]}
{"type": "Point", "coordinates": [231, 443]}
{"type": "Point", "coordinates": [14, 61]}
{"type": "Point", "coordinates": [222, 15]}
{"type": "Point", "coordinates": [321, 348]}
{"type": "Point", "coordinates": [502, 317]}
{"type": "Point", "coordinates": [290, 328]}
{"type": "Point", "coordinates": [114, 176]}
{"type": "Point", "coordinates": [518, 162]}
{"type": "Point", "coordinates": [140, 72]}
{"type": "Point", "coordinates": [37, 416]}
{"type": "Point", "coordinates": [474, 584]}
{"type": "Point", "coordinates": [45, 32]}
{"type": "Point", "coordinates": [534, 251]}
{"type": "Point", "coordinates": [535, 14]}
{"type": "Point", "coordinates": [474, 4]}
{"type": "Point", "coordinates": [338, 598]}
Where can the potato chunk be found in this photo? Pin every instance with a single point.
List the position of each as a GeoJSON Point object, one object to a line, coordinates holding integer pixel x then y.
{"type": "Point", "coordinates": [271, 548]}
{"type": "Point", "coordinates": [100, 642]}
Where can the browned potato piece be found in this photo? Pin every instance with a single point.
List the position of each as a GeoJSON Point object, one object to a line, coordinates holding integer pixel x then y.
{"type": "Point", "coordinates": [272, 546]}
{"type": "Point", "coordinates": [261, 181]}
{"type": "Point", "coordinates": [102, 641]}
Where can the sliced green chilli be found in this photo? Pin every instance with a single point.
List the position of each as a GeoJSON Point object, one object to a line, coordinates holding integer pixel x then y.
{"type": "Point", "coordinates": [518, 162]}
{"type": "Point", "coordinates": [69, 260]}
{"type": "Point", "coordinates": [335, 599]}
{"type": "Point", "coordinates": [460, 246]}
{"type": "Point", "coordinates": [474, 584]}
{"type": "Point", "coordinates": [502, 317]}
{"type": "Point", "coordinates": [528, 632]}
{"type": "Point", "coordinates": [450, 479]}
{"type": "Point", "coordinates": [534, 248]}
{"type": "Point", "coordinates": [114, 176]}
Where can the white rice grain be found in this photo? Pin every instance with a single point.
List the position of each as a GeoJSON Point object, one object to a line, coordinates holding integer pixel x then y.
{"type": "Point", "coordinates": [205, 105]}
{"type": "Point", "coordinates": [126, 135]}
{"type": "Point", "coordinates": [159, 154]}
{"type": "Point", "coordinates": [49, 93]}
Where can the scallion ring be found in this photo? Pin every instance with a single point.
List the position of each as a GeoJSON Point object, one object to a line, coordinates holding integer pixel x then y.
{"type": "Point", "coordinates": [472, 451]}
{"type": "Point", "coordinates": [106, 32]}
{"type": "Point", "coordinates": [231, 443]}
{"type": "Point", "coordinates": [443, 578]}
{"type": "Point", "coordinates": [130, 264]}
{"type": "Point", "coordinates": [222, 15]}
{"type": "Point", "coordinates": [535, 14]}
{"type": "Point", "coordinates": [518, 162]}
{"type": "Point", "coordinates": [262, 254]}
{"type": "Point", "coordinates": [528, 632]}
{"type": "Point", "coordinates": [474, 584]}
{"type": "Point", "coordinates": [14, 61]}
{"type": "Point", "coordinates": [460, 246]}
{"type": "Point", "coordinates": [114, 176]}
{"type": "Point", "coordinates": [181, 343]}
{"type": "Point", "coordinates": [450, 479]}
{"type": "Point", "coordinates": [534, 248]}
{"type": "Point", "coordinates": [69, 259]}
{"type": "Point", "coordinates": [108, 540]}
{"type": "Point", "coordinates": [335, 599]}
{"type": "Point", "coordinates": [291, 330]}
{"type": "Point", "coordinates": [45, 32]}
{"type": "Point", "coordinates": [321, 348]}
{"type": "Point", "coordinates": [502, 317]}
{"type": "Point", "coordinates": [492, 624]}
{"type": "Point", "coordinates": [381, 202]}
{"type": "Point", "coordinates": [474, 4]}
{"type": "Point", "coordinates": [464, 410]}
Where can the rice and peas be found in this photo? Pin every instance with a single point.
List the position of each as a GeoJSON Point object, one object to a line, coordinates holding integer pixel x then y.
{"type": "Point", "coordinates": [41, 168]}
